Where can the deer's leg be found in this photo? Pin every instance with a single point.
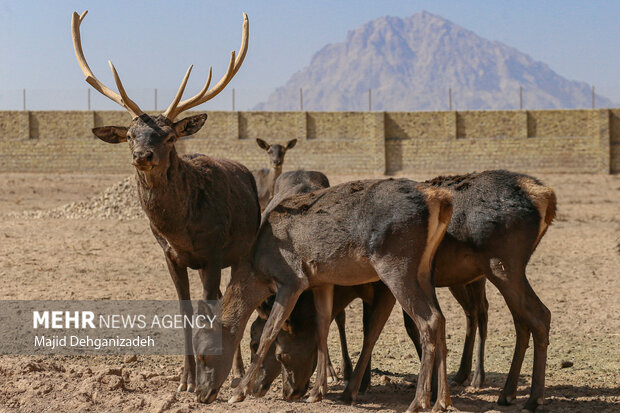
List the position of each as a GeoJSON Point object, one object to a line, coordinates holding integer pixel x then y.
{"type": "Point", "coordinates": [347, 366]}
{"type": "Point", "coordinates": [367, 310]}
{"type": "Point", "coordinates": [181, 283]}
{"type": "Point", "coordinates": [332, 377]}
{"type": "Point", "coordinates": [478, 290]}
{"type": "Point", "coordinates": [378, 315]}
{"type": "Point", "coordinates": [416, 294]}
{"type": "Point", "coordinates": [413, 333]}
{"type": "Point", "coordinates": [323, 301]}
{"type": "Point", "coordinates": [285, 300]}
{"type": "Point", "coordinates": [530, 315]}
{"type": "Point", "coordinates": [463, 295]}
{"type": "Point", "coordinates": [211, 279]}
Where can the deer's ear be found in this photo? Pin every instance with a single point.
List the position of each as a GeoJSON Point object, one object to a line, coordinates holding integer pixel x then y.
{"type": "Point", "coordinates": [111, 134]}
{"type": "Point", "coordinates": [264, 145]}
{"type": "Point", "coordinates": [203, 308]}
{"type": "Point", "coordinates": [291, 143]}
{"type": "Point", "coordinates": [190, 125]}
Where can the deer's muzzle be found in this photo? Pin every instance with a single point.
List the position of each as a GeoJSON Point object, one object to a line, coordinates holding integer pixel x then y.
{"type": "Point", "coordinates": [144, 160]}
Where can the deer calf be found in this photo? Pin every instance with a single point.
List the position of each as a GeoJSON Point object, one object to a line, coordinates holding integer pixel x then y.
{"type": "Point", "coordinates": [266, 178]}
{"type": "Point", "coordinates": [498, 220]}
{"type": "Point", "coordinates": [349, 234]}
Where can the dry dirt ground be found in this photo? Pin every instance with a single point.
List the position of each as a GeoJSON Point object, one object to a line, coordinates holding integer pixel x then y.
{"type": "Point", "coordinates": [45, 255]}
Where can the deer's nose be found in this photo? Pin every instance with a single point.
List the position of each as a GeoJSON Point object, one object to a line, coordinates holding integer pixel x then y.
{"type": "Point", "coordinates": [143, 156]}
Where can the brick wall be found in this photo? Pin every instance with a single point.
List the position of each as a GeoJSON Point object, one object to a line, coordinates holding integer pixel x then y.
{"type": "Point", "coordinates": [336, 142]}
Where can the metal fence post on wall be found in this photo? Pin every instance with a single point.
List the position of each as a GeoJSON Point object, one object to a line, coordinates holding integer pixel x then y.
{"type": "Point", "coordinates": [24, 98]}
{"type": "Point", "coordinates": [593, 98]}
{"type": "Point", "coordinates": [233, 99]}
{"type": "Point", "coordinates": [521, 97]}
{"type": "Point", "coordinates": [301, 100]}
{"type": "Point", "coordinates": [155, 99]}
{"type": "Point", "coordinates": [369, 100]}
{"type": "Point", "coordinates": [450, 98]}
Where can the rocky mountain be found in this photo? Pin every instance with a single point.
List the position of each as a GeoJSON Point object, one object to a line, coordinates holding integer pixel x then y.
{"type": "Point", "coordinates": [411, 63]}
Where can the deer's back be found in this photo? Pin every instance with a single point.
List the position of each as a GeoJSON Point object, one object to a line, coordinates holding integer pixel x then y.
{"type": "Point", "coordinates": [306, 181]}
{"type": "Point", "coordinates": [353, 219]}
{"type": "Point", "coordinates": [494, 203]}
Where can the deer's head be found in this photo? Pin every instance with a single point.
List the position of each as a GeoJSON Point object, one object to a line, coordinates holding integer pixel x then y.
{"type": "Point", "coordinates": [276, 151]}
{"type": "Point", "coordinates": [151, 138]}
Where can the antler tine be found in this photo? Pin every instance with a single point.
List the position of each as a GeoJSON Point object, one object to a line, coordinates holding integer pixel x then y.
{"type": "Point", "coordinates": [121, 99]}
{"type": "Point", "coordinates": [233, 67]}
{"type": "Point", "coordinates": [172, 108]}
{"type": "Point", "coordinates": [128, 103]}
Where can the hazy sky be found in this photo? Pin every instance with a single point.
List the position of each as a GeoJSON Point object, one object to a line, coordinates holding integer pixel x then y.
{"type": "Point", "coordinates": [152, 43]}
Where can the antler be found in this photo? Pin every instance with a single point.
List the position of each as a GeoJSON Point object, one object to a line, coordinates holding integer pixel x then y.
{"type": "Point", "coordinates": [121, 99]}
{"type": "Point", "coordinates": [205, 94]}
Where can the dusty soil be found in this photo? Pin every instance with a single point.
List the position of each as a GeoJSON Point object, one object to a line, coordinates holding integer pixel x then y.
{"type": "Point", "coordinates": [111, 254]}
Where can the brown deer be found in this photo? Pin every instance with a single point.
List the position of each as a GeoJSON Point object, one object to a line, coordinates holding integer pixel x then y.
{"type": "Point", "coordinates": [349, 234]}
{"type": "Point", "coordinates": [295, 347]}
{"type": "Point", "coordinates": [499, 218]}
{"type": "Point", "coordinates": [266, 178]}
{"type": "Point", "coordinates": [299, 337]}
{"type": "Point", "coordinates": [203, 212]}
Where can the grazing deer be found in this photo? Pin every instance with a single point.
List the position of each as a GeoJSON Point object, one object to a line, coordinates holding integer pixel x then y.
{"type": "Point", "coordinates": [203, 212]}
{"type": "Point", "coordinates": [299, 337]}
{"type": "Point", "coordinates": [498, 215]}
{"type": "Point", "coordinates": [349, 234]}
{"type": "Point", "coordinates": [266, 178]}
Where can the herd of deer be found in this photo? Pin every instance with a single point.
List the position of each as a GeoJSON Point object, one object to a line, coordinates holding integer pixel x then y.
{"type": "Point", "coordinates": [315, 248]}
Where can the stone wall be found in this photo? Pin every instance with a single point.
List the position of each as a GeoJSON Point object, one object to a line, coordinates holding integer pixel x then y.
{"type": "Point", "coordinates": [336, 142]}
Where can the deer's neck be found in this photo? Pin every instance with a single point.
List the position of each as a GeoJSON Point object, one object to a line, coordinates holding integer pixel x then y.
{"type": "Point", "coordinates": [275, 174]}
{"type": "Point", "coordinates": [163, 193]}
{"type": "Point", "coordinates": [244, 294]}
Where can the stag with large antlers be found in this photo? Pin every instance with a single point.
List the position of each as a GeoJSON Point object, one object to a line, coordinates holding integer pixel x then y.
{"type": "Point", "coordinates": [203, 212]}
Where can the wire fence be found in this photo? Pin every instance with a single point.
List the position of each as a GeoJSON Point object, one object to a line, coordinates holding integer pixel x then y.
{"type": "Point", "coordinates": [236, 99]}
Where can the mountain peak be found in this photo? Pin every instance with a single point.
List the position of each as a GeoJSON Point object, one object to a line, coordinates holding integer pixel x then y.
{"type": "Point", "coordinates": [410, 63]}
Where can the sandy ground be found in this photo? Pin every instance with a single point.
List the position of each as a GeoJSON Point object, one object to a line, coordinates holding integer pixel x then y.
{"type": "Point", "coordinates": [575, 271]}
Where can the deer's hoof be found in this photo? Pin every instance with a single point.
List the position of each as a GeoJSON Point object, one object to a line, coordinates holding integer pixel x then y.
{"type": "Point", "coordinates": [182, 387]}
{"type": "Point", "coordinates": [347, 398]}
{"type": "Point", "coordinates": [505, 400]}
{"type": "Point", "coordinates": [418, 405]}
{"type": "Point", "coordinates": [236, 398]}
{"type": "Point", "coordinates": [442, 407]}
{"type": "Point", "coordinates": [531, 405]}
{"type": "Point", "coordinates": [313, 398]}
{"type": "Point", "coordinates": [191, 388]}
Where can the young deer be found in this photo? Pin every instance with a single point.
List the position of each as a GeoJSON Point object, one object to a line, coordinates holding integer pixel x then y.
{"type": "Point", "coordinates": [349, 234]}
{"type": "Point", "coordinates": [203, 211]}
{"type": "Point", "coordinates": [266, 178]}
{"type": "Point", "coordinates": [498, 220]}
{"type": "Point", "coordinates": [299, 336]}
